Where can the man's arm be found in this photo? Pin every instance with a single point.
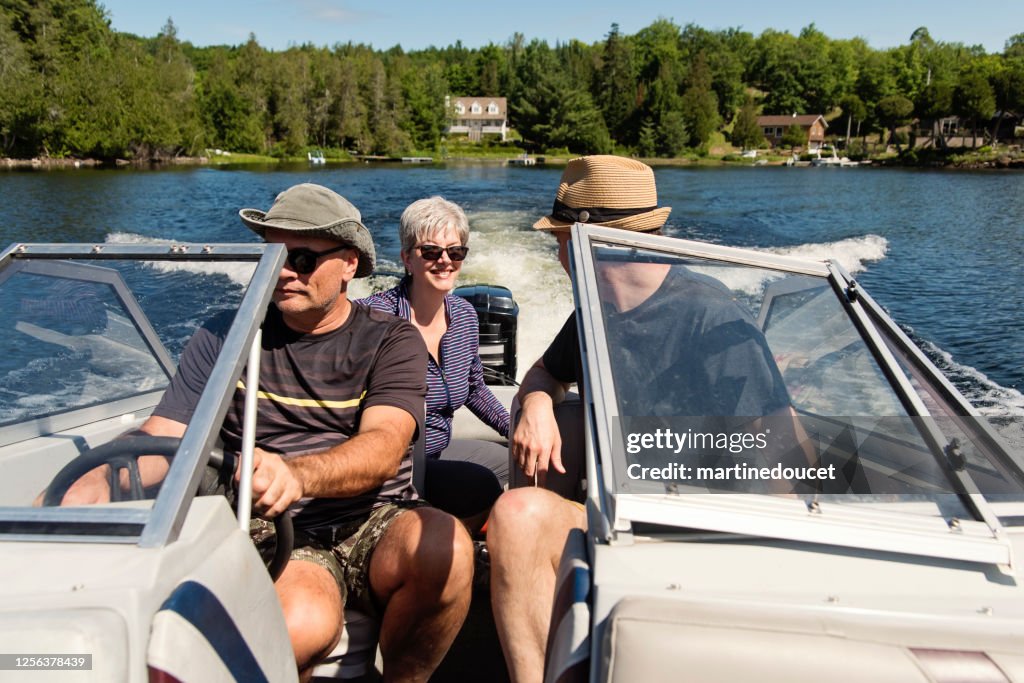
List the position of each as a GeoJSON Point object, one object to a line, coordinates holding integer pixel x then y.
{"type": "Point", "coordinates": [94, 487]}
{"type": "Point", "coordinates": [536, 442]}
{"type": "Point", "coordinates": [162, 426]}
{"type": "Point", "coordinates": [363, 463]}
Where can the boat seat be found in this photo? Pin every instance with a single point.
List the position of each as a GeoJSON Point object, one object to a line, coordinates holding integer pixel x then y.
{"type": "Point", "coordinates": [356, 653]}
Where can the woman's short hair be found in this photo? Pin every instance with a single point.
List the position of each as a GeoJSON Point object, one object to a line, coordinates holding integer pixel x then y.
{"type": "Point", "coordinates": [426, 218]}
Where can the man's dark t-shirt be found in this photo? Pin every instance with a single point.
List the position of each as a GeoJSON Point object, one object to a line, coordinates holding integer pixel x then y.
{"type": "Point", "coordinates": [312, 392]}
{"type": "Point", "coordinates": [689, 350]}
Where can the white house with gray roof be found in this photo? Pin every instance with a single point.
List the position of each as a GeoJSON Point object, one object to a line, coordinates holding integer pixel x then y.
{"type": "Point", "coordinates": [477, 116]}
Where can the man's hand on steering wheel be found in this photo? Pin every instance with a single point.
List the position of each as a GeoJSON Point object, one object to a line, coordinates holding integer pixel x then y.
{"type": "Point", "coordinates": [274, 485]}
{"type": "Point", "coordinates": [117, 470]}
{"type": "Point", "coordinates": [92, 478]}
{"type": "Point", "coordinates": [91, 489]}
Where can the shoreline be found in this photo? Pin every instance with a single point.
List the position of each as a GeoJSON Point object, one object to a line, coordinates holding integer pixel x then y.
{"type": "Point", "coordinates": [1000, 162]}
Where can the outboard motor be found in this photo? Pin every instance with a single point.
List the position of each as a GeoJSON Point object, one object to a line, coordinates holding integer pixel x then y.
{"type": "Point", "coordinates": [498, 313]}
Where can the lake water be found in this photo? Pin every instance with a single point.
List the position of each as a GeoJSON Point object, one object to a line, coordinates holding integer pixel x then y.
{"type": "Point", "coordinates": [942, 251]}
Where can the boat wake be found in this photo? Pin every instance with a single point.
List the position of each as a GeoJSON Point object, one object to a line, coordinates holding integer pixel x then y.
{"type": "Point", "coordinates": [238, 272]}
{"type": "Point", "coordinates": [853, 254]}
{"type": "Point", "coordinates": [1002, 406]}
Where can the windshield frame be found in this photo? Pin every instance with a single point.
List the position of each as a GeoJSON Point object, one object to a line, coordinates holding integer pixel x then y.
{"type": "Point", "coordinates": [160, 524]}
{"type": "Point", "coordinates": [748, 513]}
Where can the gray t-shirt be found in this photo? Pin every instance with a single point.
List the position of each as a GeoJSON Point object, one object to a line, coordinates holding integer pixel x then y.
{"type": "Point", "coordinates": [689, 350]}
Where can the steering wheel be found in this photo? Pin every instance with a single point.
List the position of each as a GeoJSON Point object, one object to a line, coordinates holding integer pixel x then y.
{"type": "Point", "coordinates": [124, 453]}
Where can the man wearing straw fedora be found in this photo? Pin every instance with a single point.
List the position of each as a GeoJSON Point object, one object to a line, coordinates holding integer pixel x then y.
{"type": "Point", "coordinates": [714, 363]}
{"type": "Point", "coordinates": [528, 526]}
{"type": "Point", "coordinates": [339, 402]}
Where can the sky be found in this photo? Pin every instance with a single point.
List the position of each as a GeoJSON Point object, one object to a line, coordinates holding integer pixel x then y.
{"type": "Point", "coordinates": [417, 24]}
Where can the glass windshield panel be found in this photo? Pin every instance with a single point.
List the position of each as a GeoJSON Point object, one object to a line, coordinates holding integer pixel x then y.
{"type": "Point", "coordinates": [828, 368]}
{"type": "Point", "coordinates": [89, 345]}
{"type": "Point", "coordinates": [736, 378]}
{"type": "Point", "coordinates": [69, 343]}
{"type": "Point", "coordinates": [980, 444]}
{"type": "Point", "coordinates": [178, 296]}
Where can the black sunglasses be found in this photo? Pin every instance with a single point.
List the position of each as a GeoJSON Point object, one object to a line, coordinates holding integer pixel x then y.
{"type": "Point", "coordinates": [432, 252]}
{"type": "Point", "coordinates": [303, 259]}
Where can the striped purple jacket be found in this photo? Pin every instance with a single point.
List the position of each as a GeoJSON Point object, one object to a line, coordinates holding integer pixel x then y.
{"type": "Point", "coordinates": [459, 379]}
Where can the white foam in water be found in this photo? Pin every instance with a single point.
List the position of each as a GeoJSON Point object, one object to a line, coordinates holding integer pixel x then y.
{"type": "Point", "coordinates": [525, 261]}
{"type": "Point", "coordinates": [239, 272]}
{"type": "Point", "coordinates": [853, 253]}
{"type": "Point", "coordinates": [992, 400]}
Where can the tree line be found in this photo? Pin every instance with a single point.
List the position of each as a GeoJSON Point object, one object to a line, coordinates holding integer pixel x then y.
{"type": "Point", "coordinates": [72, 86]}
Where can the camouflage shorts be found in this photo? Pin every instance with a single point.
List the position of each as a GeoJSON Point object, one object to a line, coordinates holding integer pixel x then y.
{"type": "Point", "coordinates": [343, 550]}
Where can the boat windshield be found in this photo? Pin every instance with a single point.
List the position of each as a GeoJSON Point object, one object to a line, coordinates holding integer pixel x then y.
{"type": "Point", "coordinates": [729, 371]}
{"type": "Point", "coordinates": [91, 336]}
{"type": "Point", "coordinates": [71, 342]}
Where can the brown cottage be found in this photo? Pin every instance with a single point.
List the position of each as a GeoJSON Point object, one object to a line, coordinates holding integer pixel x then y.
{"type": "Point", "coordinates": [813, 125]}
{"type": "Point", "coordinates": [477, 116]}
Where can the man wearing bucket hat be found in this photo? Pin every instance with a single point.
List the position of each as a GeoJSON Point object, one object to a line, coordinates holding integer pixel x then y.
{"type": "Point", "coordinates": [340, 399]}
{"type": "Point", "coordinates": [650, 303]}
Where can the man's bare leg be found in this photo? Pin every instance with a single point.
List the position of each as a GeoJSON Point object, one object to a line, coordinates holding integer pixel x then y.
{"type": "Point", "coordinates": [526, 535]}
{"type": "Point", "coordinates": [422, 571]}
{"type": "Point", "coordinates": [313, 612]}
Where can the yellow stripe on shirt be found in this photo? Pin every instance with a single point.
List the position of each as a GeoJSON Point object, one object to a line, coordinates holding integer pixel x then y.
{"type": "Point", "coordinates": [305, 402]}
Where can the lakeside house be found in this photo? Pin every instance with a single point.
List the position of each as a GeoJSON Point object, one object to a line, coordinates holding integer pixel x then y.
{"type": "Point", "coordinates": [477, 116]}
{"type": "Point", "coordinates": [774, 127]}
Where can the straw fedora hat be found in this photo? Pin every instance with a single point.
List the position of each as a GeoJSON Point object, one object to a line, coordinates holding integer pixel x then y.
{"type": "Point", "coordinates": [316, 211]}
{"type": "Point", "coordinates": [606, 190]}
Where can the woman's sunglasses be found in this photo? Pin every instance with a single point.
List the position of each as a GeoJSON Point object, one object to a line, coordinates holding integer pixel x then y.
{"type": "Point", "coordinates": [432, 252]}
{"type": "Point", "coordinates": [303, 260]}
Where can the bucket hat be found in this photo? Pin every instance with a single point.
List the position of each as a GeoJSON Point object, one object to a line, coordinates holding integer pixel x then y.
{"type": "Point", "coordinates": [606, 190]}
{"type": "Point", "coordinates": [316, 211]}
